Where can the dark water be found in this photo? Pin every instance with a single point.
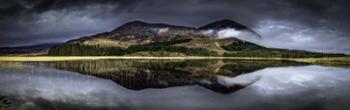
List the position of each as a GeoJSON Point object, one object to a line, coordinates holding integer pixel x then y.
{"type": "Point", "coordinates": [174, 85]}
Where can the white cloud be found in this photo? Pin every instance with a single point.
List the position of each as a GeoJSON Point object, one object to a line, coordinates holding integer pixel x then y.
{"type": "Point", "coordinates": [226, 33]}
{"type": "Point", "coordinates": [240, 34]}
{"type": "Point", "coordinates": [291, 35]}
{"type": "Point", "coordinates": [209, 32]}
{"type": "Point", "coordinates": [163, 30]}
{"type": "Point", "coordinates": [300, 38]}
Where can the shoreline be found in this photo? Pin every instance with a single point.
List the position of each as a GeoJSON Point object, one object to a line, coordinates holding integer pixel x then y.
{"type": "Point", "coordinates": [70, 58]}
{"type": "Point", "coordinates": [324, 61]}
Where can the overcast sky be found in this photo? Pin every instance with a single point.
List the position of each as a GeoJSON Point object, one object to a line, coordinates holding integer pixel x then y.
{"type": "Point", "coordinates": [319, 25]}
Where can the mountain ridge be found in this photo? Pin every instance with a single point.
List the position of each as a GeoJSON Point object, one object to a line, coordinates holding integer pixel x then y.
{"type": "Point", "coordinates": [158, 31]}
{"type": "Point", "coordinates": [228, 24]}
{"type": "Point", "coordinates": [224, 23]}
{"type": "Point", "coordinates": [27, 49]}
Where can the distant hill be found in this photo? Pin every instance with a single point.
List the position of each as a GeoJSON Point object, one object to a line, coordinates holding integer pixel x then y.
{"type": "Point", "coordinates": [26, 49]}
{"type": "Point", "coordinates": [227, 24]}
{"type": "Point", "coordinates": [139, 38]}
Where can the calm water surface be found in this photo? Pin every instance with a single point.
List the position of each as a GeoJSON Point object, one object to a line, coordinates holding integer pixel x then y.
{"type": "Point", "coordinates": [174, 85]}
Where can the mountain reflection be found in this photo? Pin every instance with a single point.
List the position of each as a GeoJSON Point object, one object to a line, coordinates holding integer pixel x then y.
{"type": "Point", "coordinates": [143, 74]}
{"type": "Point", "coordinates": [34, 86]}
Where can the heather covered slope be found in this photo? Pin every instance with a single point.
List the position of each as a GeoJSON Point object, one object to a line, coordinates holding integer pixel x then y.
{"type": "Point", "coordinates": [185, 47]}
{"type": "Point", "coordinates": [182, 47]}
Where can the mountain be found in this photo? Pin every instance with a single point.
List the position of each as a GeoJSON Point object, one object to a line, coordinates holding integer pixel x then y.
{"type": "Point", "coordinates": [26, 49]}
{"type": "Point", "coordinates": [139, 38]}
{"type": "Point", "coordinates": [227, 24]}
{"type": "Point", "coordinates": [222, 24]}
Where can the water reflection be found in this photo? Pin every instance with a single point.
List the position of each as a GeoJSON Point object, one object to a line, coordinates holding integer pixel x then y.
{"type": "Point", "coordinates": [143, 74]}
{"type": "Point", "coordinates": [47, 86]}
{"type": "Point", "coordinates": [33, 87]}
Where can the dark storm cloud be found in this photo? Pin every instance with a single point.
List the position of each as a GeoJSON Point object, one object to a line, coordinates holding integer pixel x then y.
{"type": "Point", "coordinates": [25, 22]}
{"type": "Point", "coordinates": [296, 24]}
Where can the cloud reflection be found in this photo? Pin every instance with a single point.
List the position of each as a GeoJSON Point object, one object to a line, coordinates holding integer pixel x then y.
{"type": "Point", "coordinates": [290, 88]}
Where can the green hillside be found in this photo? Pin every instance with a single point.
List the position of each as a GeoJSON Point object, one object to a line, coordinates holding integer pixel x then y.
{"type": "Point", "coordinates": [161, 49]}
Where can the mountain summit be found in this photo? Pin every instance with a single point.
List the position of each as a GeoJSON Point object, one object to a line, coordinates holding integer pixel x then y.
{"type": "Point", "coordinates": [138, 24]}
{"type": "Point", "coordinates": [223, 24]}
{"type": "Point", "coordinates": [143, 31]}
{"type": "Point", "coordinates": [228, 24]}
{"type": "Point", "coordinates": [139, 30]}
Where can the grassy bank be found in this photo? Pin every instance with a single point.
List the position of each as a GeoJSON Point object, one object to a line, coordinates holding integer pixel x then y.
{"type": "Point", "coordinates": [324, 60]}
{"type": "Point", "coordinates": [68, 58]}
{"type": "Point", "coordinates": [332, 61]}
